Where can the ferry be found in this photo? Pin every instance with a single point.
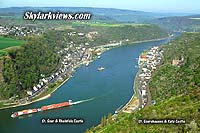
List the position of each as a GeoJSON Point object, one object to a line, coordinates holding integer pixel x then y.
{"type": "Point", "coordinates": [43, 108]}
{"type": "Point", "coordinates": [101, 68]}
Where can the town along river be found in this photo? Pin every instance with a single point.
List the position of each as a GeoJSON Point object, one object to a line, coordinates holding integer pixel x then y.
{"type": "Point", "coordinates": [109, 89]}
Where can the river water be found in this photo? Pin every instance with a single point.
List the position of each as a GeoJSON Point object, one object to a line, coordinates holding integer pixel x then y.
{"type": "Point", "coordinates": [109, 89]}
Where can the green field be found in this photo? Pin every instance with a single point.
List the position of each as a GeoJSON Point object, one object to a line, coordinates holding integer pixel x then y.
{"type": "Point", "coordinates": [113, 25]}
{"type": "Point", "coordinates": [106, 24]}
{"type": "Point", "coordinates": [9, 42]}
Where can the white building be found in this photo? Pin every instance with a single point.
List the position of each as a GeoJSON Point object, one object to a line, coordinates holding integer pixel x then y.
{"type": "Point", "coordinates": [30, 93]}
{"type": "Point", "coordinates": [35, 88]}
{"type": "Point", "coordinates": [143, 92]}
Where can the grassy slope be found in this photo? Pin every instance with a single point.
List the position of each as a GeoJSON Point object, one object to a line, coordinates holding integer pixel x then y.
{"type": "Point", "coordinates": [9, 42]}
{"type": "Point", "coordinates": [176, 91]}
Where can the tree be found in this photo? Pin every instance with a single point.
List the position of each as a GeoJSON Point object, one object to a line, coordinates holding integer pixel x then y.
{"type": "Point", "coordinates": [110, 120]}
{"type": "Point", "coordinates": [103, 121]}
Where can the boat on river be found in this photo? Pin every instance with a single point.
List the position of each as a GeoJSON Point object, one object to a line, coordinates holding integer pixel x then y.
{"type": "Point", "coordinates": [101, 68]}
{"type": "Point", "coordinates": [43, 108]}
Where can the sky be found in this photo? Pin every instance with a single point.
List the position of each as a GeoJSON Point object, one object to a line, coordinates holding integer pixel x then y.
{"type": "Point", "coordinates": [178, 6]}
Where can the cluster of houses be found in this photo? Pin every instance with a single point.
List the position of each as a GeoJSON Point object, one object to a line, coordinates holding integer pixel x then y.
{"type": "Point", "coordinates": [20, 30]}
{"type": "Point", "coordinates": [148, 63]}
{"type": "Point", "coordinates": [71, 56]}
{"type": "Point", "coordinates": [91, 35]}
{"type": "Point", "coordinates": [73, 33]}
{"type": "Point", "coordinates": [77, 55]}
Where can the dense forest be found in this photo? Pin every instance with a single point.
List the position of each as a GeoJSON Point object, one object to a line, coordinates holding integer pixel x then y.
{"type": "Point", "coordinates": [174, 87]}
{"type": "Point", "coordinates": [132, 32]}
{"type": "Point", "coordinates": [24, 65]}
{"type": "Point", "coordinates": [179, 23]}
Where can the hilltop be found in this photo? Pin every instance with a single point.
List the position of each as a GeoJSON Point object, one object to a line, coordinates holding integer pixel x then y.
{"type": "Point", "coordinates": [179, 23]}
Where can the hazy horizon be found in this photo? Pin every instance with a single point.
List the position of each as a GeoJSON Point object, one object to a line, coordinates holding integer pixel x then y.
{"type": "Point", "coordinates": [159, 6]}
{"type": "Point", "coordinates": [167, 12]}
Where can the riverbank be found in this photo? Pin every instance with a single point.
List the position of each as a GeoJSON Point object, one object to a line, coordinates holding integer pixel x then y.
{"type": "Point", "coordinates": [134, 103]}
{"type": "Point", "coordinates": [38, 99]}
{"type": "Point", "coordinates": [147, 65]}
{"type": "Point", "coordinates": [121, 43]}
{"type": "Point", "coordinates": [140, 97]}
{"type": "Point", "coordinates": [46, 96]}
{"type": "Point", "coordinates": [60, 84]}
{"type": "Point", "coordinates": [152, 40]}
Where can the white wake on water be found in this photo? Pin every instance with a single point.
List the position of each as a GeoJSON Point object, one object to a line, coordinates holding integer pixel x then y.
{"type": "Point", "coordinates": [81, 101]}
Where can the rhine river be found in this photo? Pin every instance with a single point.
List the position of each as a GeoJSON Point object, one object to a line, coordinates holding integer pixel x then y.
{"type": "Point", "coordinates": [110, 88]}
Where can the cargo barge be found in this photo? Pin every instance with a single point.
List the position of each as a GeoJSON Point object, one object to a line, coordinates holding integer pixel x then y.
{"type": "Point", "coordinates": [43, 108]}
